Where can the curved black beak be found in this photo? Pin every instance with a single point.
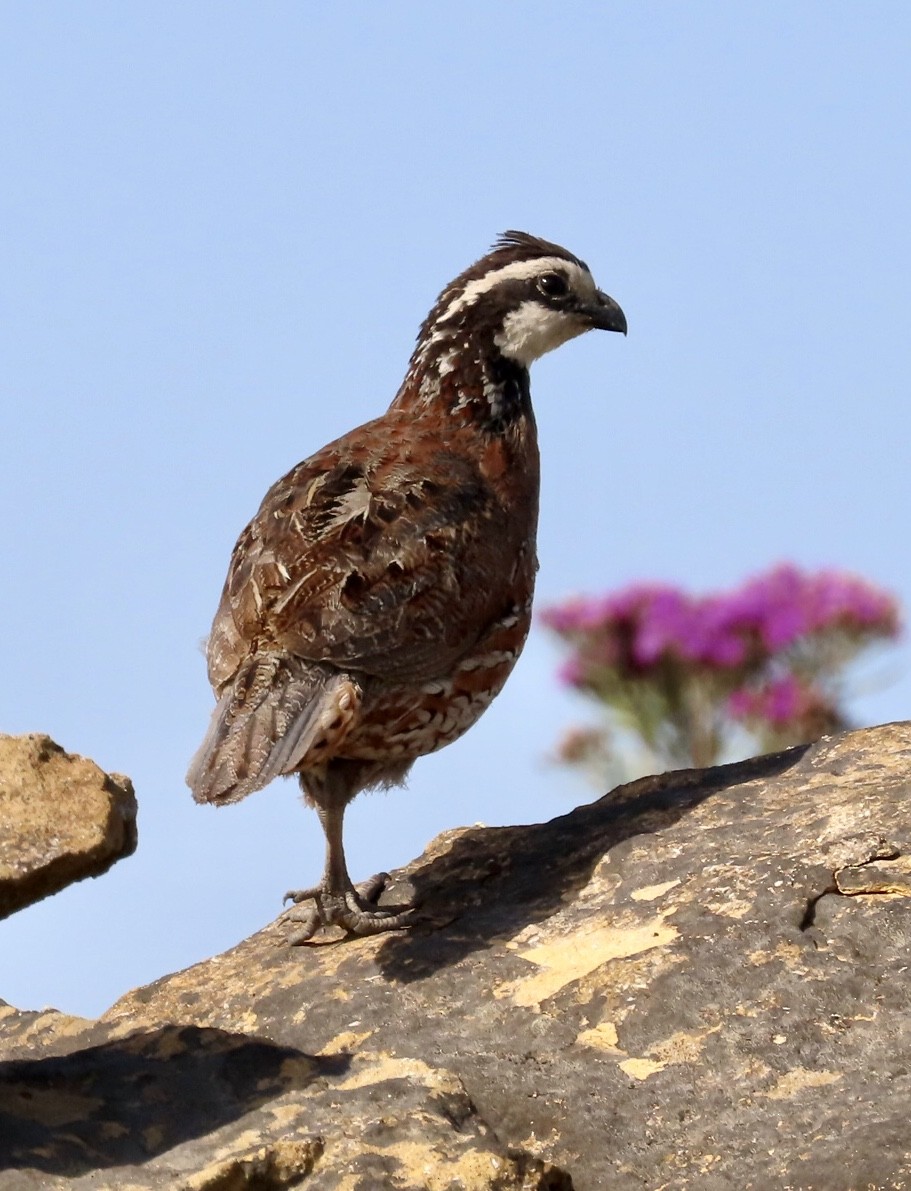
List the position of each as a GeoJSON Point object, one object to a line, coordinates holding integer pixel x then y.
{"type": "Point", "coordinates": [606, 314]}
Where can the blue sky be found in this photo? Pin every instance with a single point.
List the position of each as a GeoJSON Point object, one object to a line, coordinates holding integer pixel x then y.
{"type": "Point", "coordinates": [223, 224]}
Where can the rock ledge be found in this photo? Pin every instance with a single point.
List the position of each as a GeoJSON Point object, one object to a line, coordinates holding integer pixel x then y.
{"type": "Point", "coordinates": [699, 981]}
{"type": "Point", "coordinates": [61, 819]}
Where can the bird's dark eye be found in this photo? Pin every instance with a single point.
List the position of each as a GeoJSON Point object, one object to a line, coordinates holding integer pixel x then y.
{"type": "Point", "coordinates": [552, 284]}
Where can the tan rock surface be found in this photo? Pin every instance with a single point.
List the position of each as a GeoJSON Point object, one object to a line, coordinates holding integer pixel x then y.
{"type": "Point", "coordinates": [698, 981]}
{"type": "Point", "coordinates": [61, 819]}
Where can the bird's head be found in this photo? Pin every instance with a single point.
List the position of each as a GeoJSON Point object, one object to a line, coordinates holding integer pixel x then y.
{"type": "Point", "coordinates": [523, 299]}
{"type": "Point", "coordinates": [474, 349]}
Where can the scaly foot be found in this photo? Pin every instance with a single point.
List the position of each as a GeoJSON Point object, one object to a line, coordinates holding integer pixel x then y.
{"type": "Point", "coordinates": [354, 909]}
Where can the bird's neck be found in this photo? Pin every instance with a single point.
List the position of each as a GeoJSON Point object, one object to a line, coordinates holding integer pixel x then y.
{"type": "Point", "coordinates": [467, 379]}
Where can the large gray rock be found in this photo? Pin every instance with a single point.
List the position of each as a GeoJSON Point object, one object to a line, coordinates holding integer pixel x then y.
{"type": "Point", "coordinates": [61, 819]}
{"type": "Point", "coordinates": [697, 982]}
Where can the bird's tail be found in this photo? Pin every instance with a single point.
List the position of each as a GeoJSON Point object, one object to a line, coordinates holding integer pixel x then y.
{"type": "Point", "coordinates": [263, 726]}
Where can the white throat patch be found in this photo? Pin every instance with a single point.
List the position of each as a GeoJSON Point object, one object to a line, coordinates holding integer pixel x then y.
{"type": "Point", "coordinates": [532, 330]}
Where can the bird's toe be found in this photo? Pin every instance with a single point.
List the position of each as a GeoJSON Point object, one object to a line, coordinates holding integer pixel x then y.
{"type": "Point", "coordinates": [355, 910]}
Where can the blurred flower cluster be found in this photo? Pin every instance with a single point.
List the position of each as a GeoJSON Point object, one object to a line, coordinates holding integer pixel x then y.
{"type": "Point", "coordinates": [693, 680]}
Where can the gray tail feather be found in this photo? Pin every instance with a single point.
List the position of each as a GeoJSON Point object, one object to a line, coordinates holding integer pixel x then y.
{"type": "Point", "coordinates": [262, 727]}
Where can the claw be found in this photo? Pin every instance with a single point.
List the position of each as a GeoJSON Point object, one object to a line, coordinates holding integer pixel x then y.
{"type": "Point", "coordinates": [354, 910]}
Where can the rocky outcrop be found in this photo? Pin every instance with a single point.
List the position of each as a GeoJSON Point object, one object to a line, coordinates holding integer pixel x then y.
{"type": "Point", "coordinates": [61, 819]}
{"type": "Point", "coordinates": [698, 981]}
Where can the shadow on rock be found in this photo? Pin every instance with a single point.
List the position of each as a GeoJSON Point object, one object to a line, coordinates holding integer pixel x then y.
{"type": "Point", "coordinates": [492, 882]}
{"type": "Point", "coordinates": [129, 1099]}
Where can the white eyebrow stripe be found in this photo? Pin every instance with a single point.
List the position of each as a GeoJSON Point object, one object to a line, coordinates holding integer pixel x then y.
{"type": "Point", "coordinates": [516, 271]}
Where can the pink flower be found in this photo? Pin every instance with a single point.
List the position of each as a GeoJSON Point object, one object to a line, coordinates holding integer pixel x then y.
{"type": "Point", "coordinates": [661, 624]}
{"type": "Point", "coordinates": [785, 700]}
{"type": "Point", "coordinates": [680, 670]}
{"type": "Point", "coordinates": [647, 625]}
{"type": "Point", "coordinates": [572, 671]}
{"type": "Point", "coordinates": [849, 602]}
{"type": "Point", "coordinates": [780, 702]}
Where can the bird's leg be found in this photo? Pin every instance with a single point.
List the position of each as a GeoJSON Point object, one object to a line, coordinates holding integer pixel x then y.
{"type": "Point", "coordinates": [336, 902]}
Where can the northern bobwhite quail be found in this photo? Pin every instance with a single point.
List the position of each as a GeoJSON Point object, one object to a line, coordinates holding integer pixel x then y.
{"type": "Point", "coordinates": [379, 599]}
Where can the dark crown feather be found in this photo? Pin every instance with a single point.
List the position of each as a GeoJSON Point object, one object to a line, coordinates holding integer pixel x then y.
{"type": "Point", "coordinates": [532, 246]}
